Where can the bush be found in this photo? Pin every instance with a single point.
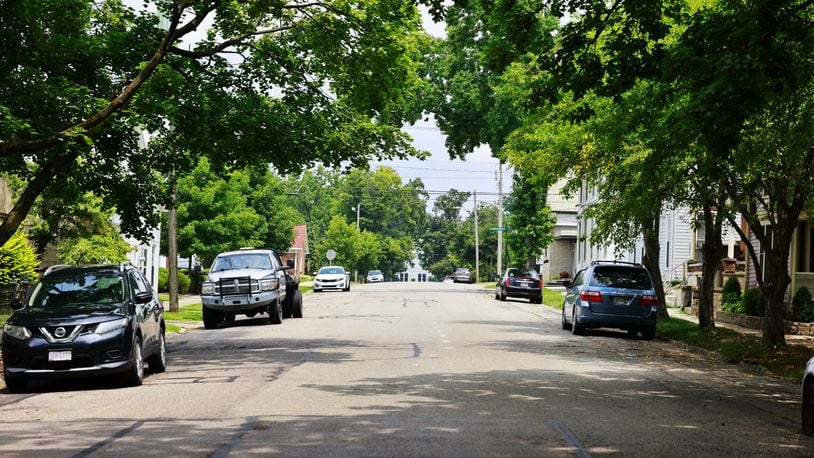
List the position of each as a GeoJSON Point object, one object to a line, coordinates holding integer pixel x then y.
{"type": "Point", "coordinates": [733, 305]}
{"type": "Point", "coordinates": [184, 282]}
{"type": "Point", "coordinates": [802, 305]}
{"type": "Point", "coordinates": [732, 286]}
{"type": "Point", "coordinates": [18, 260]}
{"type": "Point", "coordinates": [753, 303]}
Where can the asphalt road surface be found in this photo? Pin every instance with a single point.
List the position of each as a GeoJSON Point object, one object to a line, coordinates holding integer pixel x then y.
{"type": "Point", "coordinates": [413, 370]}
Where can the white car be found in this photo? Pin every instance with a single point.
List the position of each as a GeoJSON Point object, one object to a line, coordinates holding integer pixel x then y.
{"type": "Point", "coordinates": [808, 399]}
{"type": "Point", "coordinates": [375, 276]}
{"type": "Point", "coordinates": [332, 277]}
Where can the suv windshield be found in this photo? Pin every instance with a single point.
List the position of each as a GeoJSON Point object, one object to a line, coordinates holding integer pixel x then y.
{"type": "Point", "coordinates": [331, 270]}
{"type": "Point", "coordinates": [242, 261]}
{"type": "Point", "coordinates": [621, 277]}
{"type": "Point", "coordinates": [86, 289]}
{"type": "Point", "coordinates": [375, 272]}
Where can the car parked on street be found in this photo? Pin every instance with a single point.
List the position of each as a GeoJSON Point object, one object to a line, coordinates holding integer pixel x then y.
{"type": "Point", "coordinates": [611, 294]}
{"type": "Point", "coordinates": [807, 405]}
{"type": "Point", "coordinates": [520, 282]}
{"type": "Point", "coordinates": [375, 276]}
{"type": "Point", "coordinates": [332, 277]}
{"type": "Point", "coordinates": [248, 282]}
{"type": "Point", "coordinates": [463, 275]}
{"type": "Point", "coordinates": [85, 321]}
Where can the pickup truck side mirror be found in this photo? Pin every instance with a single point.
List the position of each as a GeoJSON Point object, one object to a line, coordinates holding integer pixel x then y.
{"type": "Point", "coordinates": [289, 263]}
{"type": "Point", "coordinates": [143, 298]}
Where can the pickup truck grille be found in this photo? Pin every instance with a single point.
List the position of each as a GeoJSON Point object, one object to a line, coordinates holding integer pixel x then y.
{"type": "Point", "coordinates": [236, 285]}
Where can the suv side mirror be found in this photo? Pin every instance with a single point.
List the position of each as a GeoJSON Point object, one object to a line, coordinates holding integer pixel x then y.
{"type": "Point", "coordinates": [567, 284]}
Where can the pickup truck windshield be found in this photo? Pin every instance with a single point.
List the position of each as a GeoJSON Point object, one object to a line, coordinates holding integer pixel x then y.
{"type": "Point", "coordinates": [242, 261]}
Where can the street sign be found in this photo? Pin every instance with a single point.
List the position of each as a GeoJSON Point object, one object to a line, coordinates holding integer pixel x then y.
{"type": "Point", "coordinates": [497, 229]}
{"type": "Point", "coordinates": [331, 255]}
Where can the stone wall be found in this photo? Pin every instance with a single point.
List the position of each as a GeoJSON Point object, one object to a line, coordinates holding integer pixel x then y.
{"type": "Point", "coordinates": [756, 322]}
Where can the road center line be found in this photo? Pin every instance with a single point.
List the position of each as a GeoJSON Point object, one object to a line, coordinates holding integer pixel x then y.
{"type": "Point", "coordinates": [224, 450]}
{"type": "Point", "coordinates": [569, 438]}
{"type": "Point", "coordinates": [88, 451]}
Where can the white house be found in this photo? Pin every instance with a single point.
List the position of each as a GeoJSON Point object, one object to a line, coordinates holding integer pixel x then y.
{"type": "Point", "coordinates": [558, 259]}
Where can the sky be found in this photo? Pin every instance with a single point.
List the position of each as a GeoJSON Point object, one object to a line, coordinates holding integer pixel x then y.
{"type": "Point", "coordinates": [479, 172]}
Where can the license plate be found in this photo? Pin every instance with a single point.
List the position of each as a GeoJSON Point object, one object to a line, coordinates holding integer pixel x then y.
{"type": "Point", "coordinates": [64, 355]}
{"type": "Point", "coordinates": [618, 300]}
{"type": "Point", "coordinates": [524, 283]}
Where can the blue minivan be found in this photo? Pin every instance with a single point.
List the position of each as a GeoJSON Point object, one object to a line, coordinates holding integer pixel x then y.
{"type": "Point", "coordinates": [611, 294]}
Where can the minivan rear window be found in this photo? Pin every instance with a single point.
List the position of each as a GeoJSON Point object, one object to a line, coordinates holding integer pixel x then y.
{"type": "Point", "coordinates": [621, 277]}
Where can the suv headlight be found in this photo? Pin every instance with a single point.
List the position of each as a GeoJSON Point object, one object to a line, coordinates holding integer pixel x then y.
{"type": "Point", "coordinates": [207, 289]}
{"type": "Point", "coordinates": [268, 285]}
{"type": "Point", "coordinates": [106, 327]}
{"type": "Point", "coordinates": [18, 332]}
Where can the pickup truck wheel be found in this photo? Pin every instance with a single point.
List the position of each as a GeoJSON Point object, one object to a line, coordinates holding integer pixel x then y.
{"type": "Point", "coordinates": [287, 305]}
{"type": "Point", "coordinates": [275, 312]}
{"type": "Point", "coordinates": [211, 318]}
{"type": "Point", "coordinates": [296, 304]}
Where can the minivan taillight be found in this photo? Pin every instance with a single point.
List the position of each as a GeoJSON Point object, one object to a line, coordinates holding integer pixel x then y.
{"type": "Point", "coordinates": [507, 282]}
{"type": "Point", "coordinates": [590, 296]}
{"type": "Point", "coordinates": [649, 300]}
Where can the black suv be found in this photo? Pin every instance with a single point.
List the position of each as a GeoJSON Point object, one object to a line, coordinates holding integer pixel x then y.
{"type": "Point", "coordinates": [80, 321]}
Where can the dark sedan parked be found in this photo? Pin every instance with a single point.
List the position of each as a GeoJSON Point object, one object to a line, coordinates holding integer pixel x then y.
{"type": "Point", "coordinates": [81, 321]}
{"type": "Point", "coordinates": [523, 283]}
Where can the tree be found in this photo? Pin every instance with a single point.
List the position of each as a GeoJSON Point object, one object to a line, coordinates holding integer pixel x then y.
{"type": "Point", "coordinates": [107, 248]}
{"type": "Point", "coordinates": [530, 222]}
{"type": "Point", "coordinates": [288, 83]}
{"type": "Point", "coordinates": [214, 214]}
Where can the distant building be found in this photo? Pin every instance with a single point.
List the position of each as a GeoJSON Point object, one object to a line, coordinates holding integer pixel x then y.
{"type": "Point", "coordinates": [557, 261]}
{"type": "Point", "coordinates": [414, 271]}
{"type": "Point", "coordinates": [299, 250]}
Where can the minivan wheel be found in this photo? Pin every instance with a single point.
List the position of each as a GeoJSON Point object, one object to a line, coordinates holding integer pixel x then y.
{"type": "Point", "coordinates": [565, 324]}
{"type": "Point", "coordinates": [632, 333]}
{"type": "Point", "coordinates": [808, 409]}
{"type": "Point", "coordinates": [135, 376]}
{"type": "Point", "coordinates": [158, 361]}
{"type": "Point", "coordinates": [502, 295]}
{"type": "Point", "coordinates": [576, 329]}
{"type": "Point", "coordinates": [649, 333]}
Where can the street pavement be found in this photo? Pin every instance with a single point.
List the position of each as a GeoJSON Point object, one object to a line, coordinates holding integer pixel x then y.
{"type": "Point", "coordinates": [408, 369]}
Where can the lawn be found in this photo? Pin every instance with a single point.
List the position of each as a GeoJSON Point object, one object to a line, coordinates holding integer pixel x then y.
{"type": "Point", "coordinates": [189, 313]}
{"type": "Point", "coordinates": [553, 298]}
{"type": "Point", "coordinates": [736, 348]}
{"type": "Point", "coordinates": [3, 319]}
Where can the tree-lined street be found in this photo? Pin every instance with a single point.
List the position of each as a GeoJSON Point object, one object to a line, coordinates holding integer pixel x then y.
{"type": "Point", "coordinates": [414, 369]}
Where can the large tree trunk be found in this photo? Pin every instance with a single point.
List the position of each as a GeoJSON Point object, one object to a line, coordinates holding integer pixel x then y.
{"type": "Point", "coordinates": [775, 285]}
{"type": "Point", "coordinates": [711, 255]}
{"type": "Point", "coordinates": [650, 232]}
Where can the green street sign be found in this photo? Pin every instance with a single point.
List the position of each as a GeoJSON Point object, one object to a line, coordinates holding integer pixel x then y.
{"type": "Point", "coordinates": [497, 229]}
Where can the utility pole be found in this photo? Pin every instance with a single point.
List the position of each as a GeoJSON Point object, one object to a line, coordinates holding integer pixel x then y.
{"type": "Point", "coordinates": [358, 211]}
{"type": "Point", "coordinates": [172, 248]}
{"type": "Point", "coordinates": [477, 244]}
{"type": "Point", "coordinates": [500, 218]}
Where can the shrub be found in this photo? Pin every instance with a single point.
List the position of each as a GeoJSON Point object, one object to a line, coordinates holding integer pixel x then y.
{"type": "Point", "coordinates": [184, 282]}
{"type": "Point", "coordinates": [734, 306]}
{"type": "Point", "coordinates": [163, 280]}
{"type": "Point", "coordinates": [731, 286]}
{"type": "Point", "coordinates": [802, 305]}
{"type": "Point", "coordinates": [18, 260]}
{"type": "Point", "coordinates": [753, 303]}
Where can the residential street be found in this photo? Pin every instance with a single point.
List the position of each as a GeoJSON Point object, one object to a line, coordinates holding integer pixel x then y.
{"type": "Point", "coordinates": [410, 369]}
